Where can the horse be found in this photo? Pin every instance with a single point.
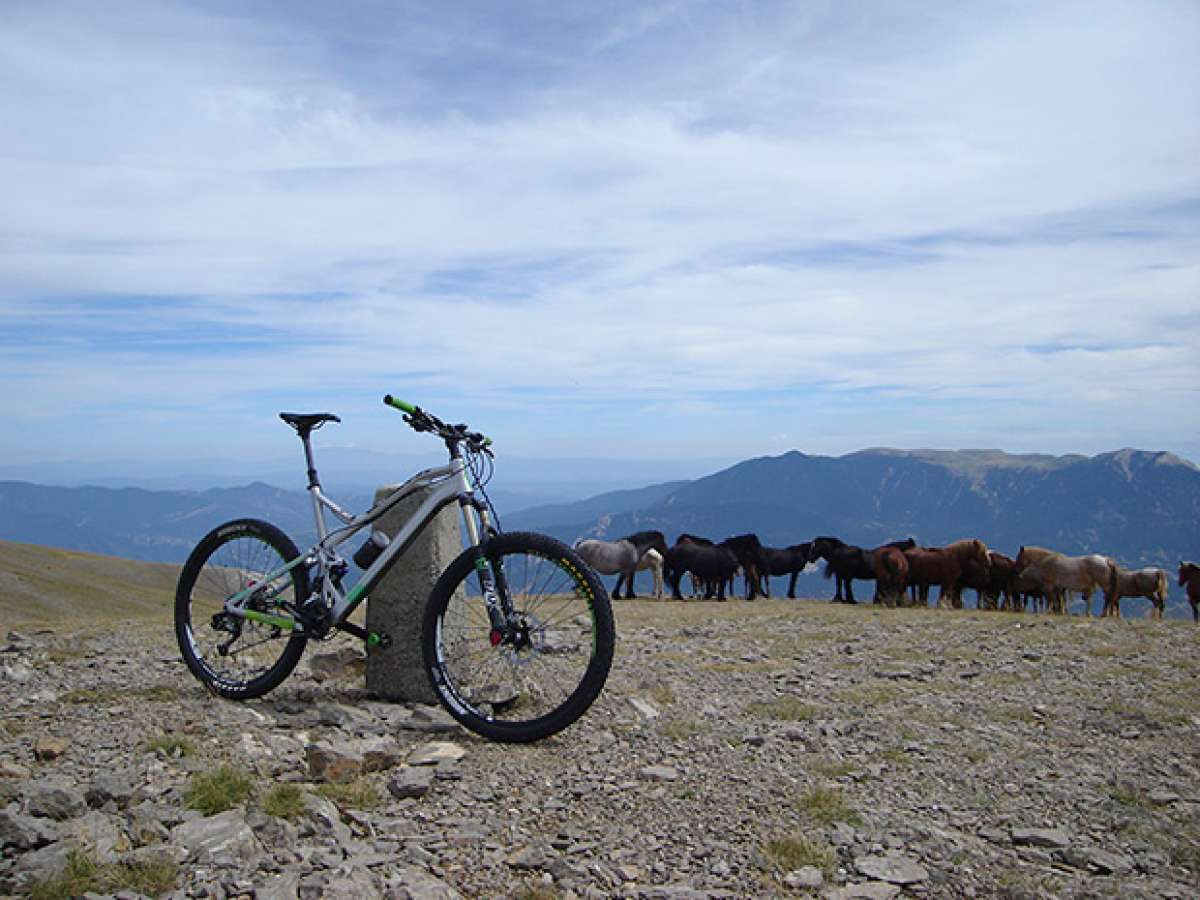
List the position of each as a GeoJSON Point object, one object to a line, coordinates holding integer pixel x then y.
{"type": "Point", "coordinates": [697, 583]}
{"type": "Point", "coordinates": [1189, 577]}
{"type": "Point", "coordinates": [788, 561]}
{"type": "Point", "coordinates": [891, 574]}
{"type": "Point", "coordinates": [1150, 583]}
{"type": "Point", "coordinates": [1060, 573]}
{"type": "Point", "coordinates": [1028, 590]}
{"type": "Point", "coordinates": [645, 541]}
{"type": "Point", "coordinates": [847, 562]}
{"type": "Point", "coordinates": [944, 566]}
{"type": "Point", "coordinates": [844, 562]}
{"type": "Point", "coordinates": [619, 557]}
{"type": "Point", "coordinates": [653, 560]}
{"type": "Point", "coordinates": [999, 589]}
{"type": "Point", "coordinates": [712, 564]}
{"type": "Point", "coordinates": [748, 550]}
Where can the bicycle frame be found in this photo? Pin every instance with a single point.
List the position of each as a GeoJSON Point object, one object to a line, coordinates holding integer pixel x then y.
{"type": "Point", "coordinates": [449, 483]}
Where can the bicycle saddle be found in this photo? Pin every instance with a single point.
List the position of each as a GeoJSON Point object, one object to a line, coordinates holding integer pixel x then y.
{"type": "Point", "coordinates": [304, 422]}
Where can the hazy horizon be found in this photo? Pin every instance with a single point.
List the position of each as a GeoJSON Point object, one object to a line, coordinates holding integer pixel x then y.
{"type": "Point", "coordinates": [652, 230]}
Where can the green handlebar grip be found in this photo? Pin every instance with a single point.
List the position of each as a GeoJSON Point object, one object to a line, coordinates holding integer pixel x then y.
{"type": "Point", "coordinates": [399, 404]}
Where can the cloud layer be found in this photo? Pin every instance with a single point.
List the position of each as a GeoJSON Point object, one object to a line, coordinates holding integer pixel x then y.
{"type": "Point", "coordinates": [661, 229]}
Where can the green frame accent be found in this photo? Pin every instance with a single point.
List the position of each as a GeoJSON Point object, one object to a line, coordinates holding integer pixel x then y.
{"type": "Point", "coordinates": [267, 619]}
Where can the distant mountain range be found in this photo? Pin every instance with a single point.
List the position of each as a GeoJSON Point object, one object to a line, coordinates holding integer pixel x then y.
{"type": "Point", "coordinates": [1140, 507]}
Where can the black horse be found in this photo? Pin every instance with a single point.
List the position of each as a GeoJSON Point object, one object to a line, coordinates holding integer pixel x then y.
{"type": "Point", "coordinates": [749, 553]}
{"type": "Point", "coordinates": [711, 564]}
{"type": "Point", "coordinates": [788, 561]}
{"type": "Point", "coordinates": [643, 541]}
{"type": "Point", "coordinates": [847, 562]}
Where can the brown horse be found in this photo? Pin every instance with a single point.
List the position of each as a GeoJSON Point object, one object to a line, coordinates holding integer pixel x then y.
{"type": "Point", "coordinates": [1149, 583]}
{"type": "Point", "coordinates": [1189, 577]}
{"type": "Point", "coordinates": [1060, 573]}
{"type": "Point", "coordinates": [891, 574]}
{"type": "Point", "coordinates": [944, 566]}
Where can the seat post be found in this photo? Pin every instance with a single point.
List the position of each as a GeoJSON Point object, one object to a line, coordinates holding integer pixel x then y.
{"type": "Point", "coordinates": [305, 438]}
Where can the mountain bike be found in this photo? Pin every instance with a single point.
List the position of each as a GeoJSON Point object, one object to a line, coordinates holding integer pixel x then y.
{"type": "Point", "coordinates": [517, 634]}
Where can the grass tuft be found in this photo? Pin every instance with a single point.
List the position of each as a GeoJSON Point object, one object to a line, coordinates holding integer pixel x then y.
{"type": "Point", "coordinates": [84, 875]}
{"type": "Point", "coordinates": [169, 745]}
{"type": "Point", "coordinates": [357, 794]}
{"type": "Point", "coordinates": [824, 806]}
{"type": "Point", "coordinates": [795, 851]}
{"type": "Point", "coordinates": [783, 709]}
{"type": "Point", "coordinates": [217, 791]}
{"type": "Point", "coordinates": [284, 801]}
{"type": "Point", "coordinates": [679, 729]}
{"type": "Point", "coordinates": [91, 695]}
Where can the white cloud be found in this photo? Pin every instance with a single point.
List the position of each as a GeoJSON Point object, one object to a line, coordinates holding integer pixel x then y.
{"type": "Point", "coordinates": [701, 207]}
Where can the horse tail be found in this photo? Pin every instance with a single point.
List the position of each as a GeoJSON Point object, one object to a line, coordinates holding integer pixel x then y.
{"type": "Point", "coordinates": [1162, 585]}
{"type": "Point", "coordinates": [828, 573]}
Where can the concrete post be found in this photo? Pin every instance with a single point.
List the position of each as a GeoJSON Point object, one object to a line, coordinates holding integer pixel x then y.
{"type": "Point", "coordinates": [397, 604]}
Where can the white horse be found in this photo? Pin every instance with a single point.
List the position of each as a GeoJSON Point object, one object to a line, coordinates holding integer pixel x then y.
{"type": "Point", "coordinates": [622, 558]}
{"type": "Point", "coordinates": [653, 561]}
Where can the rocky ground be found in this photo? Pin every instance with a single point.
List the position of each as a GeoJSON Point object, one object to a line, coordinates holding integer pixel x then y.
{"type": "Point", "coordinates": [778, 748]}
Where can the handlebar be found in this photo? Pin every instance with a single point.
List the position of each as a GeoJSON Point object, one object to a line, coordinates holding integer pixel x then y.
{"type": "Point", "coordinates": [420, 420]}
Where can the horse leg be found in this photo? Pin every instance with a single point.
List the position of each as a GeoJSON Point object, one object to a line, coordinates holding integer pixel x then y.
{"type": "Point", "coordinates": [676, 577]}
{"type": "Point", "coordinates": [850, 590]}
{"type": "Point", "coordinates": [630, 575]}
{"type": "Point", "coordinates": [792, 586]}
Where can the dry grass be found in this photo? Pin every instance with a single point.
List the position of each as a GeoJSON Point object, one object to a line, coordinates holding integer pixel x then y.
{"type": "Point", "coordinates": [73, 591]}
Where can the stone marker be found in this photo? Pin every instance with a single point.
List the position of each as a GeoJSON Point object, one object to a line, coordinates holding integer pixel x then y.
{"type": "Point", "coordinates": [397, 604]}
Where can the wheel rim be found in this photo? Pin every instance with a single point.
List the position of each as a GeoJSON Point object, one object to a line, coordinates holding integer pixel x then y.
{"type": "Point", "coordinates": [531, 672]}
{"type": "Point", "coordinates": [251, 649]}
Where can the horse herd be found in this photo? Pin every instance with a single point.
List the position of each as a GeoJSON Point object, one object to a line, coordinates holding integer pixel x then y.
{"type": "Point", "coordinates": [903, 572]}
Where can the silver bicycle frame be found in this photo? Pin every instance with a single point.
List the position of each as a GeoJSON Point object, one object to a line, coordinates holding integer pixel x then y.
{"type": "Point", "coordinates": [448, 484]}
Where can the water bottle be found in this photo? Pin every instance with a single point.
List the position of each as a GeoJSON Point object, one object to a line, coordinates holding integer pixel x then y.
{"type": "Point", "coordinates": [366, 555]}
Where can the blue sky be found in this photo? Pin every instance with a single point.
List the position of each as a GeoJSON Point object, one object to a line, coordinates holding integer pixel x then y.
{"type": "Point", "coordinates": [638, 230]}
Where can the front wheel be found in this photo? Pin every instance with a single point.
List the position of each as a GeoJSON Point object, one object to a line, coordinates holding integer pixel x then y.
{"type": "Point", "coordinates": [537, 669]}
{"type": "Point", "coordinates": [234, 657]}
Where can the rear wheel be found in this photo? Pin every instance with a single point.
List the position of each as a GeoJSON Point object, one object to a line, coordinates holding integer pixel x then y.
{"type": "Point", "coordinates": [533, 676]}
{"type": "Point", "coordinates": [234, 657]}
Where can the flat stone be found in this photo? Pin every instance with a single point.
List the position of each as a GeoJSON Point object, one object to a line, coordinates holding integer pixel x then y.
{"type": "Point", "coordinates": [805, 878]}
{"type": "Point", "coordinates": [335, 763]}
{"type": "Point", "coordinates": [11, 769]}
{"type": "Point", "coordinates": [1054, 838]}
{"type": "Point", "coordinates": [431, 720]}
{"type": "Point", "coordinates": [25, 832]}
{"type": "Point", "coordinates": [894, 868]}
{"type": "Point", "coordinates": [418, 884]}
{"type": "Point", "coordinates": [118, 787]}
{"type": "Point", "coordinates": [434, 752]}
{"type": "Point", "coordinates": [48, 749]}
{"type": "Point", "coordinates": [1102, 861]}
{"type": "Point", "coordinates": [644, 709]}
{"type": "Point", "coordinates": [379, 754]}
{"type": "Point", "coordinates": [411, 781]}
{"type": "Point", "coordinates": [347, 662]}
{"type": "Point", "coordinates": [1162, 796]}
{"type": "Point", "coordinates": [866, 890]}
{"type": "Point", "coordinates": [223, 836]}
{"type": "Point", "coordinates": [54, 799]}
{"type": "Point", "coordinates": [660, 773]}
{"type": "Point", "coordinates": [283, 886]}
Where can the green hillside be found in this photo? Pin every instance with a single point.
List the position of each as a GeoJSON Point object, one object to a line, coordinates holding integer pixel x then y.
{"type": "Point", "coordinates": [72, 590]}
